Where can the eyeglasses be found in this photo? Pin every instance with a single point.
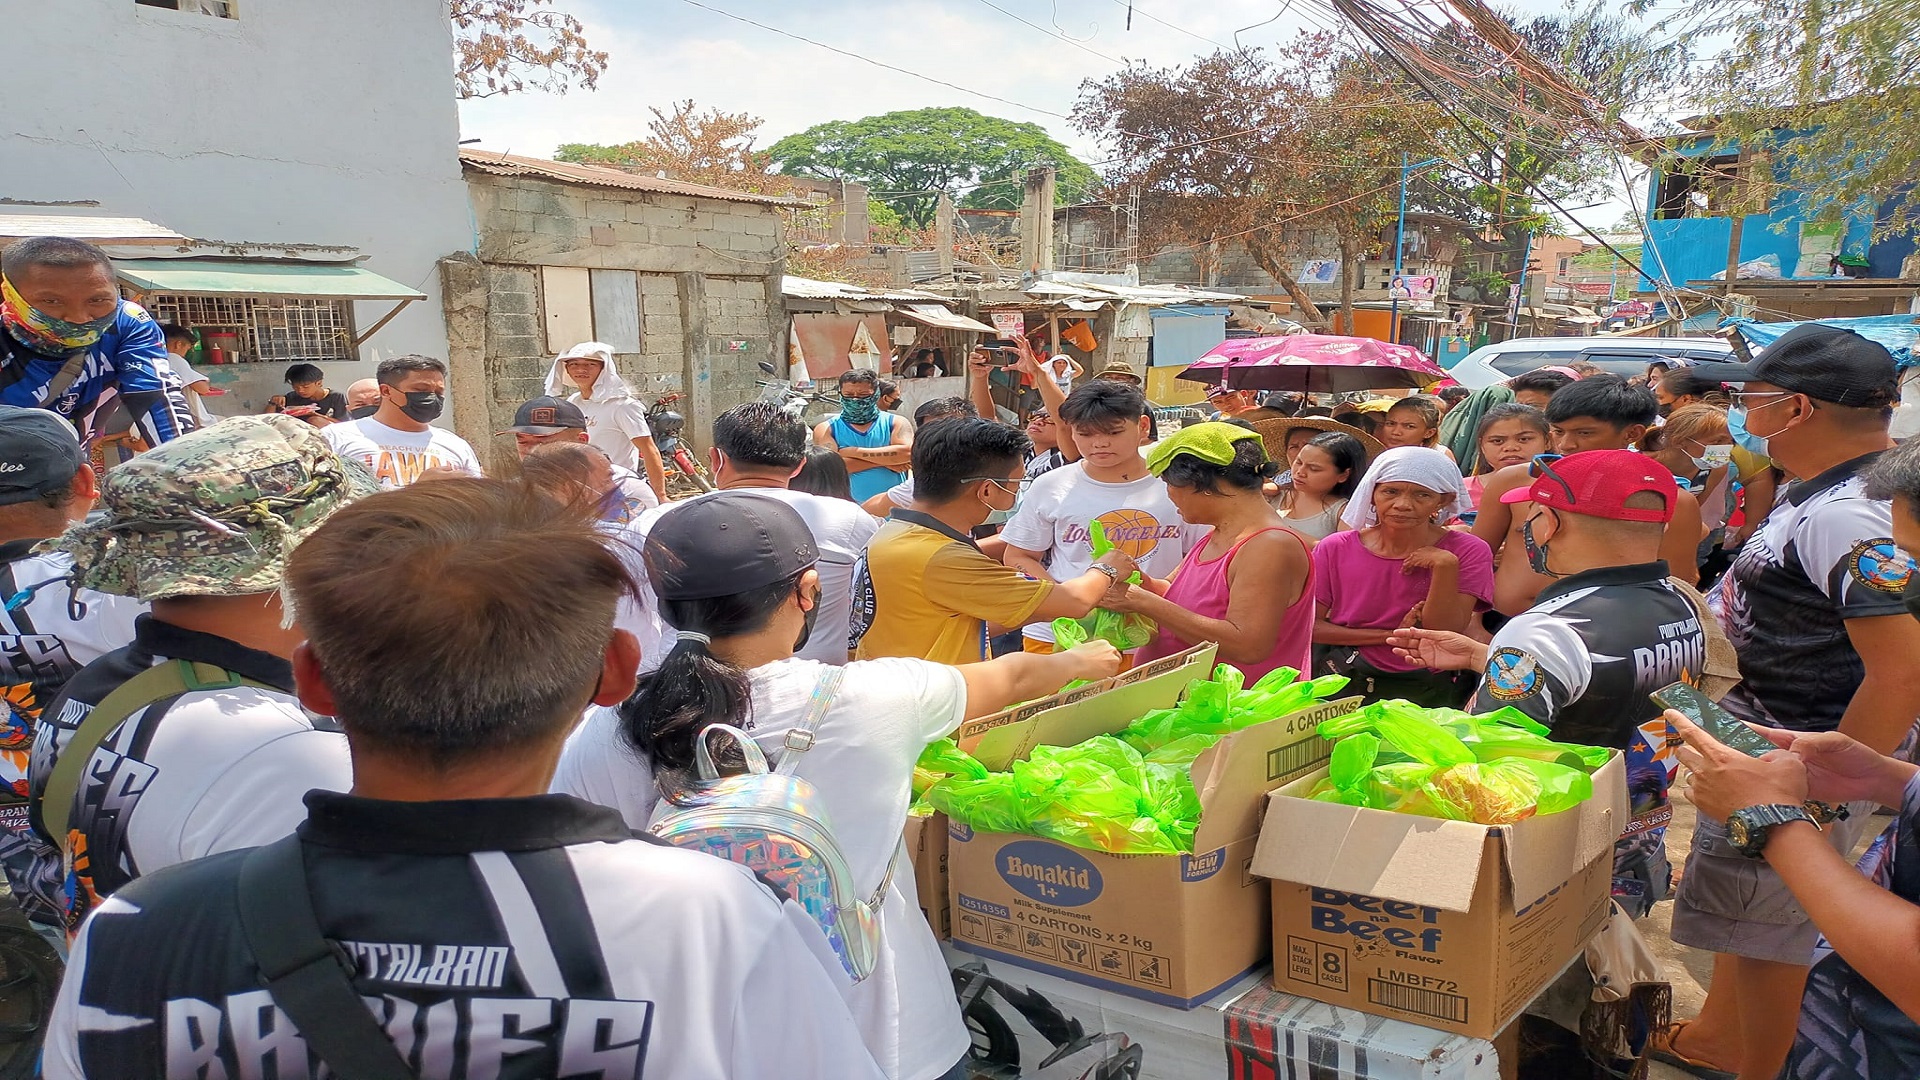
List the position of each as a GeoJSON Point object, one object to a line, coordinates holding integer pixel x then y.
{"type": "Point", "coordinates": [1005, 484]}
{"type": "Point", "coordinates": [1039, 418]}
{"type": "Point", "coordinates": [1740, 397]}
{"type": "Point", "coordinates": [1542, 465]}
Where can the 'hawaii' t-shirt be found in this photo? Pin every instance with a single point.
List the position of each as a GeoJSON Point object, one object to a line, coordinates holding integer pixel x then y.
{"type": "Point", "coordinates": [397, 458]}
{"type": "Point", "coordinates": [1059, 508]}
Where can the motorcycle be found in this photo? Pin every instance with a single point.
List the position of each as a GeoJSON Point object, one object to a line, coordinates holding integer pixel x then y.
{"type": "Point", "coordinates": [1068, 1051]}
{"type": "Point", "coordinates": [794, 400]}
{"type": "Point", "coordinates": [685, 475]}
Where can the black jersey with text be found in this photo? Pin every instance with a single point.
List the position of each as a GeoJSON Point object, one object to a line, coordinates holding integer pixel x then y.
{"type": "Point", "coordinates": [1582, 661]}
{"type": "Point", "coordinates": [501, 938]}
{"type": "Point", "coordinates": [1824, 556]}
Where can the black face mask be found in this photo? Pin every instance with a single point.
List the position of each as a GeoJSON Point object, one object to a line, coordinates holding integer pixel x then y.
{"type": "Point", "coordinates": [806, 628]}
{"type": "Point", "coordinates": [423, 405]}
{"type": "Point", "coordinates": [362, 412]}
{"type": "Point", "coordinates": [1910, 596]}
{"type": "Point", "coordinates": [1536, 552]}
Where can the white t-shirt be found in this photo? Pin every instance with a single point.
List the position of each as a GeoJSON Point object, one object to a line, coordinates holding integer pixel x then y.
{"type": "Point", "coordinates": [612, 425]}
{"type": "Point", "coordinates": [189, 378]}
{"type": "Point", "coordinates": [1139, 519]}
{"type": "Point", "coordinates": [397, 457]}
{"type": "Point", "coordinates": [840, 530]}
{"type": "Point", "coordinates": [861, 763]}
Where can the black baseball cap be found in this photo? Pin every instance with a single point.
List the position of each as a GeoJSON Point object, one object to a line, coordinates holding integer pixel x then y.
{"type": "Point", "coordinates": [39, 453]}
{"type": "Point", "coordinates": [726, 544]}
{"type": "Point", "coordinates": [547, 416]}
{"type": "Point", "coordinates": [1825, 363]}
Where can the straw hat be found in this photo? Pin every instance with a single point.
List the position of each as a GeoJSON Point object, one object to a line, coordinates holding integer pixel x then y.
{"type": "Point", "coordinates": [1274, 434]}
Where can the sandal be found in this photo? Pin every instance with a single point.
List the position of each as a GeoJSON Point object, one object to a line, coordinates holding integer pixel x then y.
{"type": "Point", "coordinates": [1661, 1049]}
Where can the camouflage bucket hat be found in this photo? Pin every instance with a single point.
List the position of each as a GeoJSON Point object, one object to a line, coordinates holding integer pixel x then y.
{"type": "Point", "coordinates": [213, 513]}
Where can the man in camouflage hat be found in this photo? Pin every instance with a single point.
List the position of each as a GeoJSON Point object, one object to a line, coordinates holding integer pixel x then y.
{"type": "Point", "coordinates": [208, 750]}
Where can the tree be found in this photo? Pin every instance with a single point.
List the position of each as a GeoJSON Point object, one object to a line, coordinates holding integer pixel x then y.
{"type": "Point", "coordinates": [909, 158]}
{"type": "Point", "coordinates": [701, 147]}
{"type": "Point", "coordinates": [1239, 146]}
{"type": "Point", "coordinates": [1828, 90]}
{"type": "Point", "coordinates": [506, 46]}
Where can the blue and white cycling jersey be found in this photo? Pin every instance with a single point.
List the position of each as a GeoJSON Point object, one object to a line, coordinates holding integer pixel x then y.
{"type": "Point", "coordinates": [130, 357]}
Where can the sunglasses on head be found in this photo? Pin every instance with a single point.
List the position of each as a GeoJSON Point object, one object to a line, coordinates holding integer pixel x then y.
{"type": "Point", "coordinates": [1542, 465]}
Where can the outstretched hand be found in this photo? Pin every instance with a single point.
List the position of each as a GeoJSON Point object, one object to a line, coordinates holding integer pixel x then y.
{"type": "Point", "coordinates": [1439, 650]}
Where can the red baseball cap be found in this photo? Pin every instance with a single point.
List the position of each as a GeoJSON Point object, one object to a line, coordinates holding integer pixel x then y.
{"type": "Point", "coordinates": [1598, 483]}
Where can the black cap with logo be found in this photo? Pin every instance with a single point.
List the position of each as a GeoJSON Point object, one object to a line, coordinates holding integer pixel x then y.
{"type": "Point", "coordinates": [726, 544]}
{"type": "Point", "coordinates": [39, 454]}
{"type": "Point", "coordinates": [547, 416]}
{"type": "Point", "coordinates": [1825, 363]}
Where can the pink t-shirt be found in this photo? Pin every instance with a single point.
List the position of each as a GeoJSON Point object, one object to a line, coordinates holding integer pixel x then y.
{"type": "Point", "coordinates": [1200, 586]}
{"type": "Point", "coordinates": [1368, 592]}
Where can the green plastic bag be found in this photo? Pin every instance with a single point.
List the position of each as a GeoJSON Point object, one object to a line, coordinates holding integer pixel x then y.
{"type": "Point", "coordinates": [1406, 727]}
{"type": "Point", "coordinates": [989, 804]}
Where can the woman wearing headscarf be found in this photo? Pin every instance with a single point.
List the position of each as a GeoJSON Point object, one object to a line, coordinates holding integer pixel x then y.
{"type": "Point", "coordinates": [1399, 566]}
{"type": "Point", "coordinates": [1249, 586]}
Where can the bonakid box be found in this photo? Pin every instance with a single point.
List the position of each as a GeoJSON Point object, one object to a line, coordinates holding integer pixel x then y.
{"type": "Point", "coordinates": [1444, 923]}
{"type": "Point", "coordinates": [1168, 928]}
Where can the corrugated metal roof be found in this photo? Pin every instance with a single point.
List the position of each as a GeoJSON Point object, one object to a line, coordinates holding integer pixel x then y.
{"type": "Point", "coordinates": [235, 277]}
{"type": "Point", "coordinates": [808, 289]}
{"type": "Point", "coordinates": [25, 220]}
{"type": "Point", "coordinates": [498, 164]}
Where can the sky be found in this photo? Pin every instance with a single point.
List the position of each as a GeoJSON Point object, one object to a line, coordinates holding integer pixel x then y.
{"type": "Point", "coordinates": [662, 51]}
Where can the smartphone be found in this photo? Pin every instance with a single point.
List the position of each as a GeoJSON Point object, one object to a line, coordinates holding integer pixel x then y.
{"type": "Point", "coordinates": [300, 410]}
{"type": "Point", "coordinates": [1000, 352]}
{"type": "Point", "coordinates": [1718, 722]}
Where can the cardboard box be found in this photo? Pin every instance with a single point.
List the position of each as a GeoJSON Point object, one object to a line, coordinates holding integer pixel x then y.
{"type": "Point", "coordinates": [926, 843]}
{"type": "Point", "coordinates": [1444, 923]}
{"type": "Point", "coordinates": [1169, 928]}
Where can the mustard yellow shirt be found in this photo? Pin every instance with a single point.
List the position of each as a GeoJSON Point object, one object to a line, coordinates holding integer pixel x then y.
{"type": "Point", "coordinates": [931, 596]}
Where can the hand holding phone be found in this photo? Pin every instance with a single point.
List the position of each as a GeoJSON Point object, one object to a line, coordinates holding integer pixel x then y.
{"type": "Point", "coordinates": [1707, 714]}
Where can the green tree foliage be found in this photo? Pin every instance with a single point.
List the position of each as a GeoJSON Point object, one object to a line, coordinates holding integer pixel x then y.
{"type": "Point", "coordinates": [908, 159]}
{"type": "Point", "coordinates": [1828, 90]}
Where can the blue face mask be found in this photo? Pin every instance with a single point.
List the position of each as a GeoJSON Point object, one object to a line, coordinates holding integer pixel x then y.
{"type": "Point", "coordinates": [1747, 440]}
{"type": "Point", "coordinates": [1001, 517]}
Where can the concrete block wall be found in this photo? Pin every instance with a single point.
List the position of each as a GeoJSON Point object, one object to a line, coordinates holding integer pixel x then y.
{"type": "Point", "coordinates": [708, 273]}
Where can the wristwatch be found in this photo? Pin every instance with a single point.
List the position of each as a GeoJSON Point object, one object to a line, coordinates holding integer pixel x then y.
{"type": "Point", "coordinates": [1111, 573]}
{"type": "Point", "coordinates": [1747, 828]}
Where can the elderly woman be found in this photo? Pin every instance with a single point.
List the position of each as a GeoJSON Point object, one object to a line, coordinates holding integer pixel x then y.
{"type": "Point", "coordinates": [1249, 587]}
{"type": "Point", "coordinates": [1399, 566]}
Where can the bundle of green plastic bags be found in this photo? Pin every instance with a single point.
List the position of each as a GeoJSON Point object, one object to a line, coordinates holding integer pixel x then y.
{"type": "Point", "coordinates": [1125, 632]}
{"type": "Point", "coordinates": [1127, 794]}
{"type": "Point", "coordinates": [1494, 769]}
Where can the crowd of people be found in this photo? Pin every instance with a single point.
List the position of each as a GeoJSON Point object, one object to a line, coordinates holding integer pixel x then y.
{"type": "Point", "coordinates": [325, 745]}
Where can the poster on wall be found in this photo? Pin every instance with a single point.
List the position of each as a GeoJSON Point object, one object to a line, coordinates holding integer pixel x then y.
{"type": "Point", "coordinates": [1320, 272]}
{"type": "Point", "coordinates": [1413, 286]}
{"type": "Point", "coordinates": [1011, 324]}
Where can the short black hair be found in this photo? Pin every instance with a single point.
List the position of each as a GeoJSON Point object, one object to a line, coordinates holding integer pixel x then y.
{"type": "Point", "coordinates": [1897, 474]}
{"type": "Point", "coordinates": [761, 433]}
{"type": "Point", "coordinates": [395, 368]}
{"type": "Point", "coordinates": [1453, 395]}
{"type": "Point", "coordinates": [1284, 402]}
{"type": "Point", "coordinates": [1102, 402]}
{"type": "Point", "coordinates": [942, 408]}
{"type": "Point", "coordinates": [1547, 382]}
{"type": "Point", "coordinates": [947, 453]}
{"type": "Point", "coordinates": [305, 373]}
{"type": "Point", "coordinates": [60, 252]}
{"type": "Point", "coordinates": [861, 376]}
{"type": "Point", "coordinates": [1248, 471]}
{"type": "Point", "coordinates": [1607, 398]}
{"type": "Point", "coordinates": [175, 332]}
{"type": "Point", "coordinates": [824, 474]}
{"type": "Point", "coordinates": [885, 387]}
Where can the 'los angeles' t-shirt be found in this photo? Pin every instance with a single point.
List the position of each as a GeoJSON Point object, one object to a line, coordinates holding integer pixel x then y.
{"type": "Point", "coordinates": [397, 458]}
{"type": "Point", "coordinates": [1139, 519]}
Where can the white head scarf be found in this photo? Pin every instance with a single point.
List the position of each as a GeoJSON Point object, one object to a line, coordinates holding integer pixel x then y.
{"type": "Point", "coordinates": [606, 386]}
{"type": "Point", "coordinates": [1420, 465]}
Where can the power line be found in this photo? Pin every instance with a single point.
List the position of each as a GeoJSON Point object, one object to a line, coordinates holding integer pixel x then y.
{"type": "Point", "coordinates": [1136, 9]}
{"type": "Point", "coordinates": [1054, 34]}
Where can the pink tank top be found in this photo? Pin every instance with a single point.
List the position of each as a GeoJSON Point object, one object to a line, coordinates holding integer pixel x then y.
{"type": "Point", "coordinates": [1200, 586]}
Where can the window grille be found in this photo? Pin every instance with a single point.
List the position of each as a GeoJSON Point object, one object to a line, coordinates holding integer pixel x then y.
{"type": "Point", "coordinates": [272, 329]}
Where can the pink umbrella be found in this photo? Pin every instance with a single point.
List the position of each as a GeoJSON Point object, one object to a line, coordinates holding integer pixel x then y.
{"type": "Point", "coordinates": [1314, 364]}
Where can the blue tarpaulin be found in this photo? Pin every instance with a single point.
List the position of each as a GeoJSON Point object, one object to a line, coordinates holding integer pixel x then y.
{"type": "Point", "coordinates": [1896, 332]}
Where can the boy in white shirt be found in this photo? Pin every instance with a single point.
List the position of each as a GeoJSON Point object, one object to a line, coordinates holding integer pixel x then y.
{"type": "Point", "coordinates": [616, 420]}
{"type": "Point", "coordinates": [1050, 536]}
{"type": "Point", "coordinates": [398, 443]}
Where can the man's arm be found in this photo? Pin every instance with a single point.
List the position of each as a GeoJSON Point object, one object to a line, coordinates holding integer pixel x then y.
{"type": "Point", "coordinates": [154, 401]}
{"type": "Point", "coordinates": [1495, 518]}
{"type": "Point", "coordinates": [1017, 677]}
{"type": "Point", "coordinates": [1680, 544]}
{"type": "Point", "coordinates": [656, 468]}
{"type": "Point", "coordinates": [980, 384]}
{"type": "Point", "coordinates": [1027, 561]}
{"type": "Point", "coordinates": [897, 454]}
{"type": "Point", "coordinates": [1871, 928]}
{"type": "Point", "coordinates": [1883, 708]}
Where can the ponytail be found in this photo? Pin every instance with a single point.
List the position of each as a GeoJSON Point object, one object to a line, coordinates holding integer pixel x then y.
{"type": "Point", "coordinates": [693, 689]}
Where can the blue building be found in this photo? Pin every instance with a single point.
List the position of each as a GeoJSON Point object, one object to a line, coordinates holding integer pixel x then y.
{"type": "Point", "coordinates": [1786, 261]}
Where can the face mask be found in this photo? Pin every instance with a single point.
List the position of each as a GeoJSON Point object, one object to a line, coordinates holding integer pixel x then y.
{"type": "Point", "coordinates": [1536, 552]}
{"type": "Point", "coordinates": [423, 405]}
{"type": "Point", "coordinates": [1666, 410]}
{"type": "Point", "coordinates": [1001, 517]}
{"type": "Point", "coordinates": [42, 332]}
{"type": "Point", "coordinates": [806, 627]}
{"type": "Point", "coordinates": [1910, 596]}
{"type": "Point", "coordinates": [362, 412]}
{"type": "Point", "coordinates": [1712, 457]}
{"type": "Point", "coordinates": [859, 410]}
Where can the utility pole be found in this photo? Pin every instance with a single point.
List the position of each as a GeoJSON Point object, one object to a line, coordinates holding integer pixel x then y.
{"type": "Point", "coordinates": [943, 234]}
{"type": "Point", "coordinates": [1395, 285]}
{"type": "Point", "coordinates": [1036, 221]}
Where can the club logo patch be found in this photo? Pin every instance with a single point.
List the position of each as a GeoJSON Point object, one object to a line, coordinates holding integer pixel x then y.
{"type": "Point", "coordinates": [1512, 674]}
{"type": "Point", "coordinates": [1880, 564]}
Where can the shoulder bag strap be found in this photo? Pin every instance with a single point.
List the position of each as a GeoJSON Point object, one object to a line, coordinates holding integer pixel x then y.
{"type": "Point", "coordinates": [799, 738]}
{"type": "Point", "coordinates": [68, 374]}
{"type": "Point", "coordinates": [171, 679]}
{"type": "Point", "coordinates": [304, 971]}
{"type": "Point", "coordinates": [1721, 671]}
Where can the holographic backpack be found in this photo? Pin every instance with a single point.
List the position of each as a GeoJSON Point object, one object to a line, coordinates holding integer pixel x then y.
{"type": "Point", "coordinates": [771, 822]}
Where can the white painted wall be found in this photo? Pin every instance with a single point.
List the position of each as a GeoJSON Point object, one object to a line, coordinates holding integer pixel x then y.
{"type": "Point", "coordinates": [299, 122]}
